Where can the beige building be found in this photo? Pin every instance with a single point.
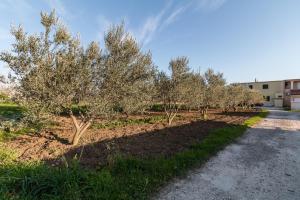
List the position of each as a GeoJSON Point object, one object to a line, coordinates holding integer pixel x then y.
{"type": "Point", "coordinates": [284, 93]}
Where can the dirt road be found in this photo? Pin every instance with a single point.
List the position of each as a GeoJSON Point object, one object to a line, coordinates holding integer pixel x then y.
{"type": "Point", "coordinates": [263, 164]}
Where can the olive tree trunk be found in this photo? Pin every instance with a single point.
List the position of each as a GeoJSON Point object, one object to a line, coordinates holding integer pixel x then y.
{"type": "Point", "coordinates": [171, 112]}
{"type": "Point", "coordinates": [80, 128]}
{"type": "Point", "coordinates": [170, 117]}
{"type": "Point", "coordinates": [204, 112]}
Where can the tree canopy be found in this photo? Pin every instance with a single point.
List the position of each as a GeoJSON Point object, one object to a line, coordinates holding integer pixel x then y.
{"type": "Point", "coordinates": [54, 72]}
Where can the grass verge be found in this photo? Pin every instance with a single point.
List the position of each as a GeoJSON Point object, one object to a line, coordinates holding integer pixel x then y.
{"type": "Point", "coordinates": [125, 178]}
{"type": "Point", "coordinates": [294, 110]}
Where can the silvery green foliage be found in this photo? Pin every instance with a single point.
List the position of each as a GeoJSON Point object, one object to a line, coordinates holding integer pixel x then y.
{"type": "Point", "coordinates": [214, 88]}
{"type": "Point", "coordinates": [172, 91]}
{"type": "Point", "coordinates": [128, 72]}
{"type": "Point", "coordinates": [233, 97]}
{"type": "Point", "coordinates": [238, 96]}
{"type": "Point", "coordinates": [252, 97]}
{"type": "Point", "coordinates": [195, 92]}
{"type": "Point", "coordinates": [54, 72]}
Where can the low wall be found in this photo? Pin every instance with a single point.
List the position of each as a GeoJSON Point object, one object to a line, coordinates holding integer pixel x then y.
{"type": "Point", "coordinates": [295, 102]}
{"type": "Point", "coordinates": [295, 106]}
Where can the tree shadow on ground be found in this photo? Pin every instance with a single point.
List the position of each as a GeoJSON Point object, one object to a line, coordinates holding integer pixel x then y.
{"type": "Point", "coordinates": [238, 114]}
{"type": "Point", "coordinates": [161, 142]}
{"type": "Point", "coordinates": [123, 178]}
{"type": "Point", "coordinates": [132, 179]}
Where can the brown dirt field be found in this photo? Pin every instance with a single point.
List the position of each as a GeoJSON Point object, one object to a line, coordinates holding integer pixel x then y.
{"type": "Point", "coordinates": [98, 145]}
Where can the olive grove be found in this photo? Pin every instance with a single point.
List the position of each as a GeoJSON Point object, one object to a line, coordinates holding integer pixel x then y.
{"type": "Point", "coordinates": [172, 91]}
{"type": "Point", "coordinates": [54, 72]}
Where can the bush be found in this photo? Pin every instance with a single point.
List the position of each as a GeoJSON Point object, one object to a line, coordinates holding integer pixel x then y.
{"type": "Point", "coordinates": [157, 108]}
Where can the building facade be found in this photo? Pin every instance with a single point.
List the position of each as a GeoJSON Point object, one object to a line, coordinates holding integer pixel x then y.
{"type": "Point", "coordinates": [283, 93]}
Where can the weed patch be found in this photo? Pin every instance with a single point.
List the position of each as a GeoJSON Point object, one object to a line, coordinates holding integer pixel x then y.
{"type": "Point", "coordinates": [126, 122]}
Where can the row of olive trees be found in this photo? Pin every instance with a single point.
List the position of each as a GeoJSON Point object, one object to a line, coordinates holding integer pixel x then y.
{"type": "Point", "coordinates": [184, 88]}
{"type": "Point", "coordinates": [54, 72]}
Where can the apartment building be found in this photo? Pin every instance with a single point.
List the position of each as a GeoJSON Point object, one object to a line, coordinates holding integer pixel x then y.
{"type": "Point", "coordinates": [283, 93]}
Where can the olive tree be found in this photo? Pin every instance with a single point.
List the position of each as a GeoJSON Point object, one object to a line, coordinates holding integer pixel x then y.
{"type": "Point", "coordinates": [195, 91]}
{"type": "Point", "coordinates": [172, 90]}
{"type": "Point", "coordinates": [252, 97]}
{"type": "Point", "coordinates": [241, 96]}
{"type": "Point", "coordinates": [54, 72]}
{"type": "Point", "coordinates": [238, 96]}
{"type": "Point", "coordinates": [213, 91]}
{"type": "Point", "coordinates": [128, 73]}
{"type": "Point", "coordinates": [235, 96]}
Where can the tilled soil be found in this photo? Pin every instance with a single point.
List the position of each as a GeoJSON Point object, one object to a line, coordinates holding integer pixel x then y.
{"type": "Point", "coordinates": [97, 146]}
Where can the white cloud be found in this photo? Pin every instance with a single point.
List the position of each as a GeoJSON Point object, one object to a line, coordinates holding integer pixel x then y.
{"type": "Point", "coordinates": [151, 26]}
{"type": "Point", "coordinates": [165, 17]}
{"type": "Point", "coordinates": [210, 5]}
{"type": "Point", "coordinates": [177, 12]}
{"type": "Point", "coordinates": [174, 15]}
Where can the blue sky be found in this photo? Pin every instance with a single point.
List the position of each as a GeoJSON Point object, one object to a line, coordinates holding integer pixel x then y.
{"type": "Point", "coordinates": [244, 39]}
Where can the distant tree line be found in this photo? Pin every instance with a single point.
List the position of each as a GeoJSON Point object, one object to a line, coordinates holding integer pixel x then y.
{"type": "Point", "coordinates": [54, 72]}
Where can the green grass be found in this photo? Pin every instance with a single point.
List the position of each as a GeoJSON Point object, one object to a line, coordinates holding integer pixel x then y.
{"type": "Point", "coordinates": [10, 135]}
{"type": "Point", "coordinates": [10, 111]}
{"type": "Point", "coordinates": [125, 122]}
{"type": "Point", "coordinates": [6, 155]}
{"type": "Point", "coordinates": [10, 116]}
{"type": "Point", "coordinates": [294, 110]}
{"type": "Point", "coordinates": [253, 120]}
{"type": "Point", "coordinates": [126, 178]}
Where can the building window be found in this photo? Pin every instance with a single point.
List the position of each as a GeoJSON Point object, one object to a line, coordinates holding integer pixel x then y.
{"type": "Point", "coordinates": [266, 98]}
{"type": "Point", "coordinates": [265, 86]}
{"type": "Point", "coordinates": [279, 96]}
{"type": "Point", "coordinates": [251, 86]}
{"type": "Point", "coordinates": [287, 85]}
{"type": "Point", "coordinates": [297, 84]}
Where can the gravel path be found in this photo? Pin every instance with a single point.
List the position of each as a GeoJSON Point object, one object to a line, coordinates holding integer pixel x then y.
{"type": "Point", "coordinates": [263, 164]}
